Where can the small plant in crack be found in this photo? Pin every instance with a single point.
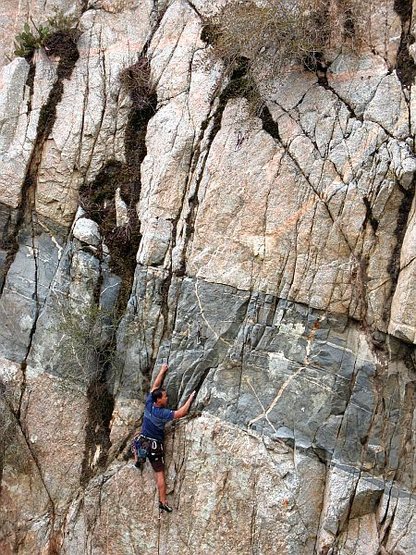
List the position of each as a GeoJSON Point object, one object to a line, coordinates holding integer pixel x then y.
{"type": "Point", "coordinates": [87, 361]}
{"type": "Point", "coordinates": [53, 35]}
{"type": "Point", "coordinates": [87, 344]}
{"type": "Point", "coordinates": [29, 40]}
{"type": "Point", "coordinates": [276, 35]}
{"type": "Point", "coordinates": [137, 81]}
{"type": "Point", "coordinates": [269, 37]}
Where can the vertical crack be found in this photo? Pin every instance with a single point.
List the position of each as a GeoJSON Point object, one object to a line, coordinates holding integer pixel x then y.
{"type": "Point", "coordinates": [98, 200]}
{"type": "Point", "coordinates": [16, 416]}
{"type": "Point", "coordinates": [26, 215]}
{"type": "Point", "coordinates": [234, 88]}
{"type": "Point", "coordinates": [30, 84]}
{"type": "Point", "coordinates": [405, 65]}
{"type": "Point", "coordinates": [369, 216]}
{"type": "Point", "coordinates": [97, 429]}
{"type": "Point", "coordinates": [269, 125]}
{"type": "Point", "coordinates": [66, 48]}
{"type": "Point", "coordinates": [393, 267]}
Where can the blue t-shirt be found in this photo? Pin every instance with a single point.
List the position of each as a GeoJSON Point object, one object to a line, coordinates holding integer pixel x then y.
{"type": "Point", "coordinates": [155, 419]}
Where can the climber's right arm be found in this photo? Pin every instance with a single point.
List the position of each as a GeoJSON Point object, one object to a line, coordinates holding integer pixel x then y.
{"type": "Point", "coordinates": [183, 411]}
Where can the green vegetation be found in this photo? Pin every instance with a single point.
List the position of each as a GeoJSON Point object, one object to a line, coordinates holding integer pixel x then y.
{"type": "Point", "coordinates": [28, 41]}
{"type": "Point", "coordinates": [45, 34]}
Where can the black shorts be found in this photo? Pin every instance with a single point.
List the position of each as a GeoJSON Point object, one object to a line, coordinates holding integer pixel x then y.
{"type": "Point", "coordinates": [155, 452]}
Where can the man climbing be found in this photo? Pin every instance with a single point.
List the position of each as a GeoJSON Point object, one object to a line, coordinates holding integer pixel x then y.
{"type": "Point", "coordinates": [150, 441]}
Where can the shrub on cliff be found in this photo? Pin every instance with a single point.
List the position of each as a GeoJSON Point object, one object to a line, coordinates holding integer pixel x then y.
{"type": "Point", "coordinates": [87, 345]}
{"type": "Point", "coordinates": [276, 32]}
{"type": "Point", "coordinates": [55, 31]}
{"type": "Point", "coordinates": [273, 35]}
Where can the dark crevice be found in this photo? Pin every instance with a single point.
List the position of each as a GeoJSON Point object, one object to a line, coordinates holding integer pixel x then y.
{"type": "Point", "coordinates": [236, 87]}
{"type": "Point", "coordinates": [404, 9]}
{"type": "Point", "coordinates": [393, 267]}
{"type": "Point", "coordinates": [348, 24]}
{"type": "Point", "coordinates": [209, 33]}
{"type": "Point", "coordinates": [98, 200]}
{"type": "Point", "coordinates": [201, 380]}
{"type": "Point", "coordinates": [369, 217]}
{"type": "Point", "coordinates": [269, 125]}
{"type": "Point", "coordinates": [64, 46]}
{"type": "Point", "coordinates": [321, 73]}
{"type": "Point", "coordinates": [30, 81]}
{"type": "Point", "coordinates": [69, 55]}
{"type": "Point", "coordinates": [98, 197]}
{"type": "Point", "coordinates": [157, 14]}
{"type": "Point", "coordinates": [194, 8]}
{"type": "Point", "coordinates": [100, 398]}
{"type": "Point", "coordinates": [405, 65]}
{"type": "Point", "coordinates": [315, 62]}
{"type": "Point", "coordinates": [97, 436]}
{"type": "Point", "coordinates": [23, 367]}
{"type": "Point", "coordinates": [387, 530]}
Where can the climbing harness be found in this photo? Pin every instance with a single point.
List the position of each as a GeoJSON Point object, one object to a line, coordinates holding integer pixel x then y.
{"type": "Point", "coordinates": [147, 447]}
{"type": "Point", "coordinates": [140, 447]}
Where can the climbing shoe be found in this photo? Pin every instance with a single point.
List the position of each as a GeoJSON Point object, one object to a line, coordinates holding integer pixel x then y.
{"type": "Point", "coordinates": [165, 507]}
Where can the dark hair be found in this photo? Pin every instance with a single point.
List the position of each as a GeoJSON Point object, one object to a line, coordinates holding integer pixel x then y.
{"type": "Point", "coordinates": [157, 393]}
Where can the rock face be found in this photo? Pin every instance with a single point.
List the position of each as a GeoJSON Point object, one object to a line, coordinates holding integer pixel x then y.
{"type": "Point", "coordinates": [149, 213]}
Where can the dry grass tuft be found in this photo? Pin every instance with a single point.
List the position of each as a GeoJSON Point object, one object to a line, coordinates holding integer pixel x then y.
{"type": "Point", "coordinates": [275, 35]}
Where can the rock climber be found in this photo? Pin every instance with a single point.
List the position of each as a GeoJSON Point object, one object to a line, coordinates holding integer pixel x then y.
{"type": "Point", "coordinates": [149, 443]}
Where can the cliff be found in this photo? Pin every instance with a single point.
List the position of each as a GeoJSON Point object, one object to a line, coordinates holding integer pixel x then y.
{"type": "Point", "coordinates": [251, 220]}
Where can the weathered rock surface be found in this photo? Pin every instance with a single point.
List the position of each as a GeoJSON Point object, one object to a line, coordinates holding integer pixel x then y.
{"type": "Point", "coordinates": [148, 213]}
{"type": "Point", "coordinates": [230, 480]}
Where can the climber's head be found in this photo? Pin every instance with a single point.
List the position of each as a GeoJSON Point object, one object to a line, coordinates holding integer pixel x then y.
{"type": "Point", "coordinates": [160, 397]}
